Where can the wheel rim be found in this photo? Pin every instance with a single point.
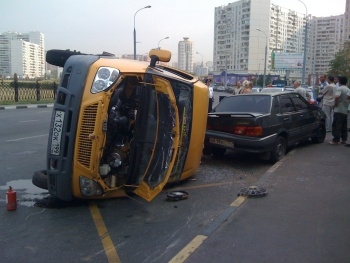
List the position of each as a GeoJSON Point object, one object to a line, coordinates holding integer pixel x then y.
{"type": "Point", "coordinates": [279, 148]}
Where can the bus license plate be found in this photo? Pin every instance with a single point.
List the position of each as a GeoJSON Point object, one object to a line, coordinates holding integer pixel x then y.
{"type": "Point", "coordinates": [57, 133]}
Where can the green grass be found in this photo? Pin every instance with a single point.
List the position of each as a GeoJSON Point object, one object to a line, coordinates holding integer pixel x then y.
{"type": "Point", "coordinates": [26, 102]}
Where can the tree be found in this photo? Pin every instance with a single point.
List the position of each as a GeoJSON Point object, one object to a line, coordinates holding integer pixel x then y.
{"type": "Point", "coordinates": [268, 79]}
{"type": "Point", "coordinates": [340, 65]}
{"type": "Point", "coordinates": [259, 81]}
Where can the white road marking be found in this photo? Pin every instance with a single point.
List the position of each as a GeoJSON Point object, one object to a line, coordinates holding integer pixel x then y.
{"type": "Point", "coordinates": [27, 138]}
{"type": "Point", "coordinates": [29, 121]}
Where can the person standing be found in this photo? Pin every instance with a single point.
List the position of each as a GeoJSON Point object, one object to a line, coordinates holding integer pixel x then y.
{"type": "Point", "coordinates": [348, 97]}
{"type": "Point", "coordinates": [238, 87]}
{"type": "Point", "coordinates": [341, 104]}
{"type": "Point", "coordinates": [323, 81]}
{"type": "Point", "coordinates": [301, 90]}
{"type": "Point", "coordinates": [247, 87]}
{"type": "Point", "coordinates": [336, 81]}
{"type": "Point", "coordinates": [210, 94]}
{"type": "Point", "coordinates": [328, 102]}
{"type": "Point", "coordinates": [323, 84]}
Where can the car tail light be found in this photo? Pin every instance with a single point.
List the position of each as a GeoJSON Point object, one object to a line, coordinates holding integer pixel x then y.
{"type": "Point", "coordinates": [248, 130]}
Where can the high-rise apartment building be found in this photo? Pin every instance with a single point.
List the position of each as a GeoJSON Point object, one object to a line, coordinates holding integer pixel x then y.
{"type": "Point", "coordinates": [23, 54]}
{"type": "Point", "coordinates": [326, 39]}
{"type": "Point", "coordinates": [185, 55]}
{"type": "Point", "coordinates": [244, 28]}
{"type": "Point", "coordinates": [238, 46]}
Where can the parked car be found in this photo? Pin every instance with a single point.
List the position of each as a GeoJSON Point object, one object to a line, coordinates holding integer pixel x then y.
{"type": "Point", "coordinates": [277, 89]}
{"type": "Point", "coordinates": [220, 88]}
{"type": "Point", "coordinates": [263, 123]}
{"type": "Point", "coordinates": [229, 89]}
{"type": "Point", "coordinates": [122, 126]}
{"type": "Point", "coordinates": [256, 89]}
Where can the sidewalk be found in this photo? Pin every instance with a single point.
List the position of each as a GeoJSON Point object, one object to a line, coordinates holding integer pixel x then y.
{"type": "Point", "coordinates": [305, 216]}
{"type": "Point", "coordinates": [26, 106]}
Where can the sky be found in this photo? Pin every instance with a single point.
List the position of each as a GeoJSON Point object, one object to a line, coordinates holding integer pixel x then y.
{"type": "Point", "coordinates": [94, 26]}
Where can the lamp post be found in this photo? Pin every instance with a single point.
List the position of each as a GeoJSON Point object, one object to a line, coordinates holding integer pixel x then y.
{"type": "Point", "coordinates": [225, 71]}
{"type": "Point", "coordinates": [264, 79]}
{"type": "Point", "coordinates": [305, 43]}
{"type": "Point", "coordinates": [161, 40]}
{"type": "Point", "coordinates": [201, 64]}
{"type": "Point", "coordinates": [135, 30]}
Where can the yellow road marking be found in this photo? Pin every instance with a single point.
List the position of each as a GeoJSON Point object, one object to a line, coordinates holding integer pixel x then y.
{"type": "Point", "coordinates": [239, 200]}
{"type": "Point", "coordinates": [189, 249]}
{"type": "Point", "coordinates": [103, 233]}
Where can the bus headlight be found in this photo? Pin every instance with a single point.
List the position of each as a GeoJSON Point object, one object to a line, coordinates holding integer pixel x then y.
{"type": "Point", "coordinates": [89, 187]}
{"type": "Point", "coordinates": [104, 79]}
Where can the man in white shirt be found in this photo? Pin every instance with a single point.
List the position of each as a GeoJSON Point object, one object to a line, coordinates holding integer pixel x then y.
{"type": "Point", "coordinates": [301, 90]}
{"type": "Point", "coordinates": [348, 98]}
{"type": "Point", "coordinates": [341, 104]}
{"type": "Point", "coordinates": [328, 94]}
{"type": "Point", "coordinates": [210, 94]}
{"type": "Point", "coordinates": [324, 83]}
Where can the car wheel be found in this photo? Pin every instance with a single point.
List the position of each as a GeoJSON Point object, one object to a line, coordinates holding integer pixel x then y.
{"type": "Point", "coordinates": [218, 152]}
{"type": "Point", "coordinates": [39, 179]}
{"type": "Point", "coordinates": [279, 150]}
{"type": "Point", "coordinates": [59, 57]}
{"type": "Point", "coordinates": [320, 134]}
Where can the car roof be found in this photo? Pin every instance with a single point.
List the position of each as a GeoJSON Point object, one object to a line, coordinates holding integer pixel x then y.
{"type": "Point", "coordinates": [271, 94]}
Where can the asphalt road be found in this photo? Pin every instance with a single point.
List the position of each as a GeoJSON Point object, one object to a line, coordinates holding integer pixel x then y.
{"type": "Point", "coordinates": [125, 230]}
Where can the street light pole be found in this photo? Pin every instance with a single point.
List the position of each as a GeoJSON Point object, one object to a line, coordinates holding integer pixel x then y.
{"type": "Point", "coordinates": [135, 30]}
{"type": "Point", "coordinates": [264, 79]}
{"type": "Point", "coordinates": [161, 40]}
{"type": "Point", "coordinates": [225, 71]}
{"type": "Point", "coordinates": [305, 43]}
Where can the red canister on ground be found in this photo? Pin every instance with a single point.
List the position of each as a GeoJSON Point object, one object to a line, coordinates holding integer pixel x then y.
{"type": "Point", "coordinates": [11, 199]}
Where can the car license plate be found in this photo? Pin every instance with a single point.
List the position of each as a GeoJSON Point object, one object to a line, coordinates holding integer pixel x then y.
{"type": "Point", "coordinates": [57, 133]}
{"type": "Point", "coordinates": [221, 142]}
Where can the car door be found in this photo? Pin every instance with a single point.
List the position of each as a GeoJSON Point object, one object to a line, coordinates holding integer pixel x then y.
{"type": "Point", "coordinates": [155, 142]}
{"type": "Point", "coordinates": [290, 118]}
{"type": "Point", "coordinates": [307, 118]}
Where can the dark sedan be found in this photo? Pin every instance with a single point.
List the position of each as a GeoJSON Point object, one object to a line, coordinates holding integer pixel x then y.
{"type": "Point", "coordinates": [263, 123]}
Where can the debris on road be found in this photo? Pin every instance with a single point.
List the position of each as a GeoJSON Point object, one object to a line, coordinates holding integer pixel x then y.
{"type": "Point", "coordinates": [177, 195]}
{"type": "Point", "coordinates": [252, 191]}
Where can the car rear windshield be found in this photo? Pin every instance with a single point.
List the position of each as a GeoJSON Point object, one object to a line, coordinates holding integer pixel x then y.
{"type": "Point", "coordinates": [245, 103]}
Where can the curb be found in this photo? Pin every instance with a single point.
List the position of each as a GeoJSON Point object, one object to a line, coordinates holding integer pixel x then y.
{"type": "Point", "coordinates": [34, 106]}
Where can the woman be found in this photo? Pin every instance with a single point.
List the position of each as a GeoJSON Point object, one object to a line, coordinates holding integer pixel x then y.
{"type": "Point", "coordinates": [247, 87]}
